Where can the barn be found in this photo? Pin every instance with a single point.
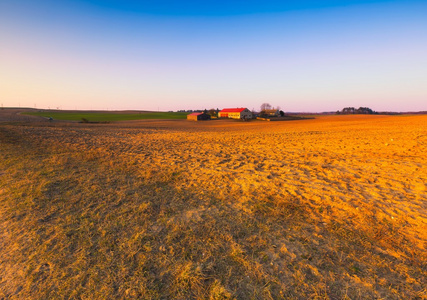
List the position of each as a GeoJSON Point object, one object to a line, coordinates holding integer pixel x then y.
{"type": "Point", "coordinates": [235, 113]}
{"type": "Point", "coordinates": [198, 117]}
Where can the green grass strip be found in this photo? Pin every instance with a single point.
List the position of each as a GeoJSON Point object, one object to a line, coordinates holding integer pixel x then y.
{"type": "Point", "coordinates": [108, 117]}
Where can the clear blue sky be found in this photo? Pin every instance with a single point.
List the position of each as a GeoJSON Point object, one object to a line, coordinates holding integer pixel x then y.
{"type": "Point", "coordinates": [168, 55]}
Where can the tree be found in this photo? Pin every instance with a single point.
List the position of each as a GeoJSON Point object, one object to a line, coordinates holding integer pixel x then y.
{"type": "Point", "coordinates": [265, 106]}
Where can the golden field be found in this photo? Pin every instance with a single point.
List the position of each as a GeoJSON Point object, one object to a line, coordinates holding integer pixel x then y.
{"type": "Point", "coordinates": [329, 208]}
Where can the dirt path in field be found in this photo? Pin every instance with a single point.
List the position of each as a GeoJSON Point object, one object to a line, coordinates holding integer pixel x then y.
{"type": "Point", "coordinates": [15, 115]}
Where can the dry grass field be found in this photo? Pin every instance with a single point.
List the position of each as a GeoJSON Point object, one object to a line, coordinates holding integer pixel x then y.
{"type": "Point", "coordinates": [330, 208]}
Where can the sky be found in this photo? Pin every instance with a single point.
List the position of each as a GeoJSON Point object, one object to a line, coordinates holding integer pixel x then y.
{"type": "Point", "coordinates": [301, 56]}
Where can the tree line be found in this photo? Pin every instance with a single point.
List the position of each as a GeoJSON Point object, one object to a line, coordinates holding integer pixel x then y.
{"type": "Point", "coordinates": [354, 111]}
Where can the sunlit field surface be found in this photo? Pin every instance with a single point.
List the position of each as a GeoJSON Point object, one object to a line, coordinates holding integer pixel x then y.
{"type": "Point", "coordinates": [330, 208]}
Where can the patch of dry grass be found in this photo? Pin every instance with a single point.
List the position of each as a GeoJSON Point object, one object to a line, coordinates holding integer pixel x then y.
{"type": "Point", "coordinates": [332, 208]}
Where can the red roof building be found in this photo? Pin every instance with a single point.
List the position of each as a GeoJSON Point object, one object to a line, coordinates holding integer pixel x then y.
{"type": "Point", "coordinates": [235, 113]}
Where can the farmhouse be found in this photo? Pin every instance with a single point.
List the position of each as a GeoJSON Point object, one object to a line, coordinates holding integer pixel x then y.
{"type": "Point", "coordinates": [235, 113]}
{"type": "Point", "coordinates": [271, 112]}
{"type": "Point", "coordinates": [198, 117]}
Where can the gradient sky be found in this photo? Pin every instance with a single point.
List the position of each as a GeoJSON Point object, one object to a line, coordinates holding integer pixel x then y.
{"type": "Point", "coordinates": [310, 56]}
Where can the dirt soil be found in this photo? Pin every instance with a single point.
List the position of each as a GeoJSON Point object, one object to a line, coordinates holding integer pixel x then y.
{"type": "Point", "coordinates": [329, 208]}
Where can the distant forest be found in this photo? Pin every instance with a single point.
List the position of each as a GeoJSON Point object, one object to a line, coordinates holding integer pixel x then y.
{"type": "Point", "coordinates": [354, 111]}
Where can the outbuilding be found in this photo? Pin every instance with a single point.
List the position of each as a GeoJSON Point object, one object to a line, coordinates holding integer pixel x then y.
{"type": "Point", "coordinates": [198, 116]}
{"type": "Point", "coordinates": [235, 113]}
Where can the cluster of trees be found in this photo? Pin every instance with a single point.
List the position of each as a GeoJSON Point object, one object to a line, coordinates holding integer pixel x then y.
{"type": "Point", "coordinates": [266, 106]}
{"type": "Point", "coordinates": [188, 110]}
{"type": "Point", "coordinates": [353, 111]}
{"type": "Point", "coordinates": [212, 112]}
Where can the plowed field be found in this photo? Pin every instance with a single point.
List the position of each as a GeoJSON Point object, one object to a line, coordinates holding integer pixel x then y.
{"type": "Point", "coordinates": [330, 208]}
